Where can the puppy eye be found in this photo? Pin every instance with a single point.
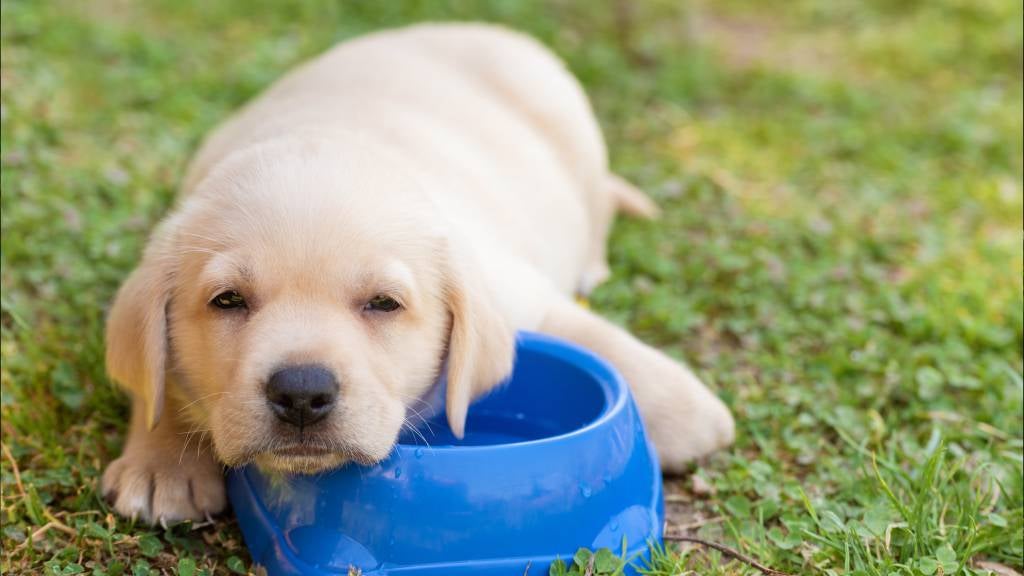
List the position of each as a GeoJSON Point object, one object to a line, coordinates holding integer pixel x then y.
{"type": "Point", "coordinates": [382, 304]}
{"type": "Point", "coordinates": [228, 300]}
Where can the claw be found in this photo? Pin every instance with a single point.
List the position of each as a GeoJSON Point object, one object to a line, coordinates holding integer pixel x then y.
{"type": "Point", "coordinates": [207, 522]}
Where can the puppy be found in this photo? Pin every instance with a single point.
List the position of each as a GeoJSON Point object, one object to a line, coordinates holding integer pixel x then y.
{"type": "Point", "coordinates": [396, 207]}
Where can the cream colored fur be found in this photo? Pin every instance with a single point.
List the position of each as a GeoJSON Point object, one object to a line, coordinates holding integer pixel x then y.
{"type": "Point", "coordinates": [456, 168]}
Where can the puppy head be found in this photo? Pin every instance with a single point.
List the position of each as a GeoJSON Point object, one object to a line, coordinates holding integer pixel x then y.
{"type": "Point", "coordinates": [298, 304]}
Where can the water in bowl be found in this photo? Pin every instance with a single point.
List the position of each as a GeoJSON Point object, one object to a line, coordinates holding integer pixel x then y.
{"type": "Point", "coordinates": [483, 428]}
{"type": "Point", "coordinates": [547, 397]}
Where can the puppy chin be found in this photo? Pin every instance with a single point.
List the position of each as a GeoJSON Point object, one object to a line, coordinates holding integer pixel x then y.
{"type": "Point", "coordinates": [299, 463]}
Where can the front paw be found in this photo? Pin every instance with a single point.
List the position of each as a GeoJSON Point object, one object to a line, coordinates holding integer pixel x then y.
{"type": "Point", "coordinates": [687, 421]}
{"type": "Point", "coordinates": [163, 488]}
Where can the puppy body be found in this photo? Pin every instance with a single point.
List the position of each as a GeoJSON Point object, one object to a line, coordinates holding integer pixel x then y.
{"type": "Point", "coordinates": [498, 133]}
{"type": "Point", "coordinates": [457, 169]}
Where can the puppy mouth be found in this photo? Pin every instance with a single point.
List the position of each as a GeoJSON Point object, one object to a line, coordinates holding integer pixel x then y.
{"type": "Point", "coordinates": [307, 457]}
{"type": "Point", "coordinates": [302, 451]}
{"type": "Point", "coordinates": [300, 459]}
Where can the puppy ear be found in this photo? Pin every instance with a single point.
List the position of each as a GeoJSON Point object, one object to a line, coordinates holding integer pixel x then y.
{"type": "Point", "coordinates": [137, 328]}
{"type": "Point", "coordinates": [481, 347]}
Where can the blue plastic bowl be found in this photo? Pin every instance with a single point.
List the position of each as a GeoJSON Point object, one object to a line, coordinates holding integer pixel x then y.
{"type": "Point", "coordinates": [553, 460]}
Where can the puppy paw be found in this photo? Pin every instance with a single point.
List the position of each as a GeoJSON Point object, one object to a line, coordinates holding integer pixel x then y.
{"type": "Point", "coordinates": [161, 488]}
{"type": "Point", "coordinates": [699, 425]}
{"type": "Point", "coordinates": [711, 430]}
{"type": "Point", "coordinates": [683, 418]}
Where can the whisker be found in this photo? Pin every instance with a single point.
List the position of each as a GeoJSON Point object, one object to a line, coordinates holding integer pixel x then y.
{"type": "Point", "coordinates": [201, 398]}
{"type": "Point", "coordinates": [414, 430]}
{"type": "Point", "coordinates": [201, 444]}
{"type": "Point", "coordinates": [188, 438]}
{"type": "Point", "coordinates": [423, 420]}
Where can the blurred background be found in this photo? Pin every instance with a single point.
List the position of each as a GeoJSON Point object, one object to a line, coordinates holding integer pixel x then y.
{"type": "Point", "coordinates": [840, 255]}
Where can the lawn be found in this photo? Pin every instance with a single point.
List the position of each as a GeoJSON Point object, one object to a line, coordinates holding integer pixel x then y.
{"type": "Point", "coordinates": [840, 256]}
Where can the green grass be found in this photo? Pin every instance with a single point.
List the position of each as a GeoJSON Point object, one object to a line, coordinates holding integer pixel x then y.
{"type": "Point", "coordinates": [840, 255]}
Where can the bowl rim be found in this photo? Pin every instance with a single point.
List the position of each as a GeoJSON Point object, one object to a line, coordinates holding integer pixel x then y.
{"type": "Point", "coordinates": [607, 377]}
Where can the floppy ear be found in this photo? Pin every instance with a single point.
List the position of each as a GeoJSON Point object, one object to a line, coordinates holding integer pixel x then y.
{"type": "Point", "coordinates": [137, 328]}
{"type": "Point", "coordinates": [481, 346]}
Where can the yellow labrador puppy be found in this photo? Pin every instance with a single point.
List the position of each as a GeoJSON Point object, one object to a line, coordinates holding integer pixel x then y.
{"type": "Point", "coordinates": [396, 207]}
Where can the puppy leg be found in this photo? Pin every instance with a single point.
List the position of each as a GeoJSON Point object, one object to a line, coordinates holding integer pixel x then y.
{"type": "Point", "coordinates": [161, 477]}
{"type": "Point", "coordinates": [683, 418]}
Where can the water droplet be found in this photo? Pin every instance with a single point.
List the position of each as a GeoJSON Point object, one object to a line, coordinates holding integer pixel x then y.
{"type": "Point", "coordinates": [586, 491]}
{"type": "Point", "coordinates": [418, 452]}
{"type": "Point", "coordinates": [614, 526]}
{"type": "Point", "coordinates": [398, 472]}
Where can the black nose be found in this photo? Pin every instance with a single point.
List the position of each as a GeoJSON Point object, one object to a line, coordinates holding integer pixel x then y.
{"type": "Point", "coordinates": [302, 395]}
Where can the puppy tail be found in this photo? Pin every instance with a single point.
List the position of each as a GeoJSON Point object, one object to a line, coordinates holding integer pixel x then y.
{"type": "Point", "coordinates": [631, 200]}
